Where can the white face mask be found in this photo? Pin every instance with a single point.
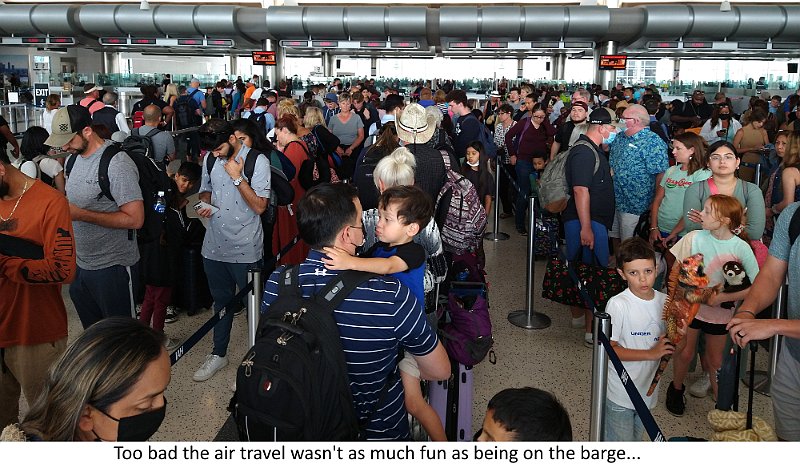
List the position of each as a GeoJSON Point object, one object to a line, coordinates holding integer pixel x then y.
{"type": "Point", "coordinates": [475, 164]}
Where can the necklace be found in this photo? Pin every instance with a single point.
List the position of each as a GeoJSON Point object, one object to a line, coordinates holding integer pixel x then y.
{"type": "Point", "coordinates": [24, 189]}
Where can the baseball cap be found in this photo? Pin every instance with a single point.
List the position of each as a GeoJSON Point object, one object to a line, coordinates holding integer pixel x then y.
{"type": "Point", "coordinates": [600, 116]}
{"type": "Point", "coordinates": [67, 122]}
{"type": "Point", "coordinates": [91, 87]}
{"type": "Point", "coordinates": [581, 104]}
{"type": "Point", "coordinates": [332, 97]}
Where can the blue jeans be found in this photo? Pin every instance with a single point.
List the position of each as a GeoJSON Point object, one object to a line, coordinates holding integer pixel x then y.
{"type": "Point", "coordinates": [99, 294]}
{"type": "Point", "coordinates": [224, 279]}
{"type": "Point", "coordinates": [622, 424]}
{"type": "Point", "coordinates": [523, 170]}
{"type": "Point", "coordinates": [572, 234]}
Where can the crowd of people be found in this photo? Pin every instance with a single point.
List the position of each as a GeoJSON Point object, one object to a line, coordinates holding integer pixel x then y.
{"type": "Point", "coordinates": [364, 172]}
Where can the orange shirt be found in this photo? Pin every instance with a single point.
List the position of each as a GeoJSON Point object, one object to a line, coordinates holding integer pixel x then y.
{"type": "Point", "coordinates": [248, 92]}
{"type": "Point", "coordinates": [31, 308]}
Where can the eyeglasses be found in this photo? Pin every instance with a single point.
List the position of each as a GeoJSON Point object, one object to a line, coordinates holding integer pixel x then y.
{"type": "Point", "coordinates": [727, 157]}
{"type": "Point", "coordinates": [538, 116]}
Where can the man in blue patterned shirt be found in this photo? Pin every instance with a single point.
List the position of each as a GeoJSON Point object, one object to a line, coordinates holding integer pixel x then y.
{"type": "Point", "coordinates": [638, 159]}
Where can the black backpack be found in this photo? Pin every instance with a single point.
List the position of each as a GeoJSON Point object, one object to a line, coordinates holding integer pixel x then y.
{"type": "Point", "coordinates": [281, 191]}
{"type": "Point", "coordinates": [292, 384]}
{"type": "Point", "coordinates": [186, 111]}
{"type": "Point", "coordinates": [318, 161]}
{"type": "Point", "coordinates": [152, 179]}
{"type": "Point", "coordinates": [260, 120]}
{"type": "Point", "coordinates": [141, 145]}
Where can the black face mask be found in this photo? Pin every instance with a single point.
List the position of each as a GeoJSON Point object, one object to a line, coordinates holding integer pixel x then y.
{"type": "Point", "coordinates": [724, 116]}
{"type": "Point", "coordinates": [138, 428]}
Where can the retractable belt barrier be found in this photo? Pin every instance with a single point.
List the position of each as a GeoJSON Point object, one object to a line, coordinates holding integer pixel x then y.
{"type": "Point", "coordinates": [184, 130]}
{"type": "Point", "coordinates": [642, 410]}
{"type": "Point", "coordinates": [187, 345]}
{"type": "Point", "coordinates": [511, 179]}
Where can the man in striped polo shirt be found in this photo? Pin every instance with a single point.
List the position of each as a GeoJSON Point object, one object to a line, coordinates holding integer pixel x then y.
{"type": "Point", "coordinates": [377, 319]}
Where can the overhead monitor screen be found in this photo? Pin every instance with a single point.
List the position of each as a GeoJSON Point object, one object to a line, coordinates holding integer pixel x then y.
{"type": "Point", "coordinates": [613, 62]}
{"type": "Point", "coordinates": [264, 58]}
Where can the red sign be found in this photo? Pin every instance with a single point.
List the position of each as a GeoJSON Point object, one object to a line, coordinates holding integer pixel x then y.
{"type": "Point", "coordinates": [264, 58]}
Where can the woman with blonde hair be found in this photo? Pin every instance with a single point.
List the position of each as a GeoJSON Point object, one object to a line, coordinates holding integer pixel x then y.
{"type": "Point", "coordinates": [320, 141]}
{"type": "Point", "coordinates": [107, 386]}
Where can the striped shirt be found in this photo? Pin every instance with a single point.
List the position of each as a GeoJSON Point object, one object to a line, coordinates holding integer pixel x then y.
{"type": "Point", "coordinates": [377, 319]}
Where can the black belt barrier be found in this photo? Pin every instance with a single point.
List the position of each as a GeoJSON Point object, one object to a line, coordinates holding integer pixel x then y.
{"type": "Point", "coordinates": [512, 179]}
{"type": "Point", "coordinates": [200, 333]}
{"type": "Point", "coordinates": [235, 302]}
{"type": "Point", "coordinates": [642, 410]}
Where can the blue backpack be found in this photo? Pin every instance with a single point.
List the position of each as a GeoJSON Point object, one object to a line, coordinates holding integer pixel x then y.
{"type": "Point", "coordinates": [487, 139]}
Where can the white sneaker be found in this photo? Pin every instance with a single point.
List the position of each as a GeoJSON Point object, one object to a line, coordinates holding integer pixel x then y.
{"type": "Point", "coordinates": [700, 387]}
{"type": "Point", "coordinates": [588, 340]}
{"type": "Point", "coordinates": [210, 367]}
{"type": "Point", "coordinates": [171, 344]}
{"type": "Point", "coordinates": [578, 322]}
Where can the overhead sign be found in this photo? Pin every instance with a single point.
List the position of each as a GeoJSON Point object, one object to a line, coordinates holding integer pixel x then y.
{"type": "Point", "coordinates": [613, 62]}
{"type": "Point", "coordinates": [266, 57]}
{"type": "Point", "coordinates": [40, 93]}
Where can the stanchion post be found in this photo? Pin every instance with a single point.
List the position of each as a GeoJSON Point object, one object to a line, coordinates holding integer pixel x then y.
{"type": "Point", "coordinates": [762, 382]}
{"type": "Point", "coordinates": [253, 304]}
{"type": "Point", "coordinates": [528, 318]}
{"type": "Point", "coordinates": [496, 235]}
{"type": "Point", "coordinates": [601, 323]}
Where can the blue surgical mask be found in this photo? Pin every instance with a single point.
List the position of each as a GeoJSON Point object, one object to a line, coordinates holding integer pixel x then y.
{"type": "Point", "coordinates": [622, 125]}
{"type": "Point", "coordinates": [773, 110]}
{"type": "Point", "coordinates": [610, 138]}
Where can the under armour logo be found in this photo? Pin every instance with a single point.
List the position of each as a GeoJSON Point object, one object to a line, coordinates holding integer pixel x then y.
{"type": "Point", "coordinates": [64, 128]}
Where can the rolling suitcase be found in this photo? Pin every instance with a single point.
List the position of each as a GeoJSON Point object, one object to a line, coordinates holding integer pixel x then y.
{"type": "Point", "coordinates": [452, 401]}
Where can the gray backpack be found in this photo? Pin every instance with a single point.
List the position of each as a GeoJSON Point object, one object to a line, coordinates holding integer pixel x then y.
{"type": "Point", "coordinates": [554, 192]}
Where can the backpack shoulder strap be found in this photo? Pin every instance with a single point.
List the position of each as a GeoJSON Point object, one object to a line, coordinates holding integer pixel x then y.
{"type": "Point", "coordinates": [70, 164]}
{"type": "Point", "coordinates": [151, 133]}
{"type": "Point", "coordinates": [250, 163]}
{"type": "Point", "coordinates": [794, 227]}
{"type": "Point", "coordinates": [340, 287]}
{"type": "Point", "coordinates": [594, 151]}
{"type": "Point", "coordinates": [191, 95]}
{"type": "Point", "coordinates": [102, 170]}
{"type": "Point", "coordinates": [446, 158]}
{"type": "Point", "coordinates": [210, 160]}
{"type": "Point", "coordinates": [289, 284]}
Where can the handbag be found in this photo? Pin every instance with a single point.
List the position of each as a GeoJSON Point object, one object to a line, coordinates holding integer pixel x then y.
{"type": "Point", "coordinates": [467, 338]}
{"type": "Point", "coordinates": [601, 283]}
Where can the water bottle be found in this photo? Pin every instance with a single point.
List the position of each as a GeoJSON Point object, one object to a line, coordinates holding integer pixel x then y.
{"type": "Point", "coordinates": [161, 203]}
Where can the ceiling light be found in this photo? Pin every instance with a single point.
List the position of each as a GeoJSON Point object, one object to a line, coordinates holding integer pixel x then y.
{"type": "Point", "coordinates": [144, 5]}
{"type": "Point", "coordinates": [725, 5]}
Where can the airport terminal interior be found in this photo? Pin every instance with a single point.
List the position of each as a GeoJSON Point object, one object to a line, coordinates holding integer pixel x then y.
{"type": "Point", "coordinates": [739, 48]}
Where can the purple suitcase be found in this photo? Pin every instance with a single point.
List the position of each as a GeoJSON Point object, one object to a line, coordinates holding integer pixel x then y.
{"type": "Point", "coordinates": [452, 401]}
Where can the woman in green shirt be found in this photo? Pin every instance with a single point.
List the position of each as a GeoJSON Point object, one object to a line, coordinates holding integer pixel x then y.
{"type": "Point", "coordinates": [666, 212]}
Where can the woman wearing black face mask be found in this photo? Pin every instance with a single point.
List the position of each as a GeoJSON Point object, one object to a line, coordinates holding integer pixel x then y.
{"type": "Point", "coordinates": [721, 126]}
{"type": "Point", "coordinates": [108, 386]}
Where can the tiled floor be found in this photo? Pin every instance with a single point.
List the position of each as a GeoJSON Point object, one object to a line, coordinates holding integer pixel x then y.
{"type": "Point", "coordinates": [554, 359]}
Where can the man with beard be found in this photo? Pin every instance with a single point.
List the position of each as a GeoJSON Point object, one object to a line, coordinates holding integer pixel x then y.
{"type": "Point", "coordinates": [105, 241]}
{"type": "Point", "coordinates": [234, 240]}
{"type": "Point", "coordinates": [694, 113]}
{"type": "Point", "coordinates": [37, 256]}
{"type": "Point", "coordinates": [576, 124]}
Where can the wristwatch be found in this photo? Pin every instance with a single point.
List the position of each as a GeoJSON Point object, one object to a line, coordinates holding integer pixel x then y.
{"type": "Point", "coordinates": [238, 181]}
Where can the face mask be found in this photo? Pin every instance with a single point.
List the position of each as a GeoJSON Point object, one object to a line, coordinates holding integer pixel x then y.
{"type": "Point", "coordinates": [610, 138]}
{"type": "Point", "coordinates": [622, 125]}
{"type": "Point", "coordinates": [773, 110]}
{"type": "Point", "coordinates": [475, 164]}
{"type": "Point", "coordinates": [138, 428]}
{"type": "Point", "coordinates": [724, 116]}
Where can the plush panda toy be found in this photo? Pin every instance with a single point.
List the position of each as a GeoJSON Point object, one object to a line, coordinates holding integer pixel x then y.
{"type": "Point", "coordinates": [735, 280]}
